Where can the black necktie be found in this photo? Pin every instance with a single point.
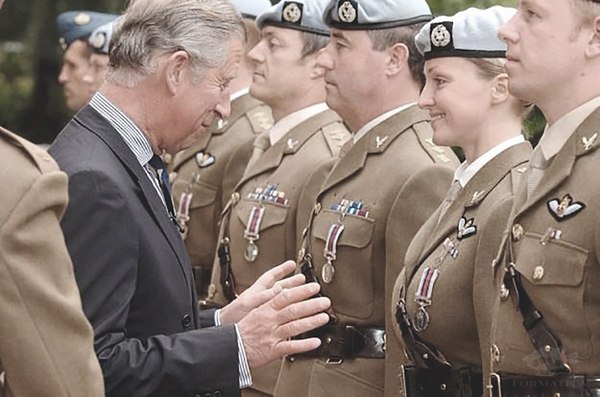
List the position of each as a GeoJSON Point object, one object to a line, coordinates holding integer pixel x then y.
{"type": "Point", "coordinates": [165, 186]}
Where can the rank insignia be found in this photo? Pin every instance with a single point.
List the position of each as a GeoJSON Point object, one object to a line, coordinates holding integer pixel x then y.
{"type": "Point", "coordinates": [466, 228]}
{"type": "Point", "coordinates": [588, 142]}
{"type": "Point", "coordinates": [292, 12]}
{"type": "Point", "coordinates": [564, 208]}
{"type": "Point", "coordinates": [347, 11]}
{"type": "Point", "coordinates": [204, 159]}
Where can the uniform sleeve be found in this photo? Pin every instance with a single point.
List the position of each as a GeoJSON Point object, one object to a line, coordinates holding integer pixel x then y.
{"type": "Point", "coordinates": [46, 343]}
{"type": "Point", "coordinates": [104, 247]}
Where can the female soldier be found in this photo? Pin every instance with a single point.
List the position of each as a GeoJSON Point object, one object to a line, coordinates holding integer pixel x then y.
{"type": "Point", "coordinates": [444, 292]}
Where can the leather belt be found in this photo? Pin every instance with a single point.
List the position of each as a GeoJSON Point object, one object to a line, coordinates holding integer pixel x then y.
{"type": "Point", "coordinates": [339, 342]}
{"type": "Point", "coordinates": [511, 385]}
{"type": "Point", "coordinates": [441, 382]}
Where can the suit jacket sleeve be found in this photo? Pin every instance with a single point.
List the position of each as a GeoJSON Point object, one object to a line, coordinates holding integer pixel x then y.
{"type": "Point", "coordinates": [45, 340]}
{"type": "Point", "coordinates": [103, 241]}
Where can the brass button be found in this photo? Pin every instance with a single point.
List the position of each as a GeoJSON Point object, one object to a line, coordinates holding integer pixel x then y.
{"type": "Point", "coordinates": [504, 292]}
{"type": "Point", "coordinates": [538, 273]}
{"type": "Point", "coordinates": [517, 232]}
{"type": "Point", "coordinates": [235, 198]}
{"type": "Point", "coordinates": [495, 353]}
{"type": "Point", "coordinates": [317, 208]}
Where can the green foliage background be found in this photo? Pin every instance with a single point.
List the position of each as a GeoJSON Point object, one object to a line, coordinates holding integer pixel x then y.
{"type": "Point", "coordinates": [31, 101]}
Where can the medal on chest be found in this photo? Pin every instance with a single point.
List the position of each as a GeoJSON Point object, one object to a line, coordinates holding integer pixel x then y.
{"type": "Point", "coordinates": [269, 194]}
{"type": "Point", "coordinates": [423, 298]}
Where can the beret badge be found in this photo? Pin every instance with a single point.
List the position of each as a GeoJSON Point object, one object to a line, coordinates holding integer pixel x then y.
{"type": "Point", "coordinates": [82, 19]}
{"type": "Point", "coordinates": [347, 12]}
{"type": "Point", "coordinates": [292, 12]}
{"type": "Point", "coordinates": [440, 36]}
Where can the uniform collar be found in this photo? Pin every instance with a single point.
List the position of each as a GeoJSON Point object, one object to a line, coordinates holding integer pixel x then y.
{"type": "Point", "coordinates": [292, 120]}
{"type": "Point", "coordinates": [556, 135]}
{"type": "Point", "coordinates": [378, 120]}
{"type": "Point", "coordinates": [465, 172]}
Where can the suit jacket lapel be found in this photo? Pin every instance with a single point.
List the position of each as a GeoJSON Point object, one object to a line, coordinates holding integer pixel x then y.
{"type": "Point", "coordinates": [100, 127]}
{"type": "Point", "coordinates": [483, 182]}
{"type": "Point", "coordinates": [377, 140]}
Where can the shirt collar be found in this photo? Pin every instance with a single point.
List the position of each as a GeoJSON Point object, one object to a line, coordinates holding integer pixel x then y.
{"type": "Point", "coordinates": [131, 133]}
{"type": "Point", "coordinates": [292, 120]}
{"type": "Point", "coordinates": [466, 171]}
{"type": "Point", "coordinates": [239, 93]}
{"type": "Point", "coordinates": [378, 120]}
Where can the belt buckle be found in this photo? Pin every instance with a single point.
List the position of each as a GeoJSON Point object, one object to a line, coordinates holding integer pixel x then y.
{"type": "Point", "coordinates": [402, 377]}
{"type": "Point", "coordinates": [494, 376]}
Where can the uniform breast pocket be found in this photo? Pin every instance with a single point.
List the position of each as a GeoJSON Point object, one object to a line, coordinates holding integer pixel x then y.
{"type": "Point", "coordinates": [351, 288]}
{"type": "Point", "coordinates": [554, 277]}
{"type": "Point", "coordinates": [274, 214]}
{"type": "Point", "coordinates": [202, 193]}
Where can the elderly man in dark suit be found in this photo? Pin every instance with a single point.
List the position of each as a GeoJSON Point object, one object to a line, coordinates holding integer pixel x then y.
{"type": "Point", "coordinates": [171, 63]}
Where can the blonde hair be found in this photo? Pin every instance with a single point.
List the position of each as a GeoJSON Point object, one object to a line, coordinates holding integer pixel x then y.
{"type": "Point", "coordinates": [489, 68]}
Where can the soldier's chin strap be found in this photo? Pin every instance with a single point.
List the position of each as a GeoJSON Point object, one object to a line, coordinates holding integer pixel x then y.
{"type": "Point", "coordinates": [548, 345]}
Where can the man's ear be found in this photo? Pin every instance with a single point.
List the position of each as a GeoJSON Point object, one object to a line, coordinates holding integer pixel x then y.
{"type": "Point", "coordinates": [500, 91]}
{"type": "Point", "coordinates": [176, 66]}
{"type": "Point", "coordinates": [593, 48]}
{"type": "Point", "coordinates": [397, 59]}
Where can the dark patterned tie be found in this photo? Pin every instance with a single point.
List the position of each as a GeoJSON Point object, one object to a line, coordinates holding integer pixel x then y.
{"type": "Point", "coordinates": [165, 186]}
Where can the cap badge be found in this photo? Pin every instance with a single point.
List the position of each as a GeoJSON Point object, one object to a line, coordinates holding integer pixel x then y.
{"type": "Point", "coordinates": [440, 36]}
{"type": "Point", "coordinates": [82, 19]}
{"type": "Point", "coordinates": [292, 12]}
{"type": "Point", "coordinates": [98, 40]}
{"type": "Point", "coordinates": [347, 12]}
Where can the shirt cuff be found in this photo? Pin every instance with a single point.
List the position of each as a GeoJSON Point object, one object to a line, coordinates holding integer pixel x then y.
{"type": "Point", "coordinates": [218, 318]}
{"type": "Point", "coordinates": [245, 375]}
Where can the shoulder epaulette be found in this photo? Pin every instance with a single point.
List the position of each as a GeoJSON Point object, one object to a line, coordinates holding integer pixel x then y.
{"type": "Point", "coordinates": [260, 118]}
{"type": "Point", "coordinates": [336, 135]}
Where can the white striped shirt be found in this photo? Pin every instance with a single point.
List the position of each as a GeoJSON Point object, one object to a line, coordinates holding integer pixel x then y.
{"type": "Point", "coordinates": [138, 143]}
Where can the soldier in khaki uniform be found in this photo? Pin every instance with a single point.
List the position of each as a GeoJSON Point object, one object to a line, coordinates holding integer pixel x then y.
{"type": "Point", "coordinates": [444, 289]}
{"type": "Point", "coordinates": [258, 226]}
{"type": "Point", "coordinates": [205, 174]}
{"type": "Point", "coordinates": [373, 75]}
{"type": "Point", "coordinates": [546, 329]}
{"type": "Point", "coordinates": [46, 343]}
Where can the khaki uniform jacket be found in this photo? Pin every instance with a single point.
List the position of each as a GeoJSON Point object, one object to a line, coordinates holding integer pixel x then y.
{"type": "Point", "coordinates": [461, 248]}
{"type": "Point", "coordinates": [561, 274]}
{"type": "Point", "coordinates": [394, 161]}
{"type": "Point", "coordinates": [46, 343]}
{"type": "Point", "coordinates": [209, 170]}
{"type": "Point", "coordinates": [286, 165]}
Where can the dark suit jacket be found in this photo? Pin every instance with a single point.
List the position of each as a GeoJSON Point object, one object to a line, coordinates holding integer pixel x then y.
{"type": "Point", "coordinates": [134, 274]}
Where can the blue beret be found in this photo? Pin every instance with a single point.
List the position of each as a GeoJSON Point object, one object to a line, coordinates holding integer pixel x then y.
{"type": "Point", "coordinates": [375, 14]}
{"type": "Point", "coordinates": [251, 9]}
{"type": "Point", "coordinates": [472, 33]}
{"type": "Point", "coordinates": [304, 15]}
{"type": "Point", "coordinates": [75, 25]}
{"type": "Point", "coordinates": [99, 40]}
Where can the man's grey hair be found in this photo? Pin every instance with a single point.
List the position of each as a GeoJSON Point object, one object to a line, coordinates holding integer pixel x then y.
{"type": "Point", "coordinates": [150, 29]}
